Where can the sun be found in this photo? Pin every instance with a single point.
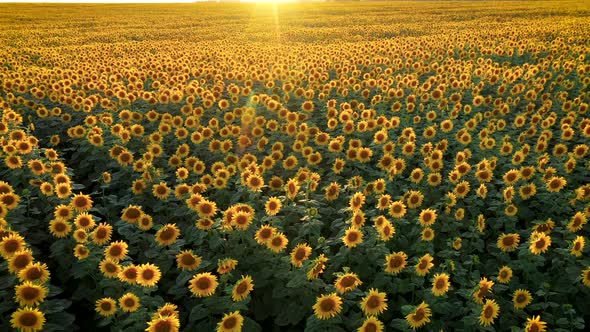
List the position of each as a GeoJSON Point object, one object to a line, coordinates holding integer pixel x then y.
{"type": "Point", "coordinates": [268, 1]}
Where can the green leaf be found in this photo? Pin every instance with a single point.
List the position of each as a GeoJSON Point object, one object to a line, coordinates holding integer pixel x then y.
{"type": "Point", "coordinates": [198, 312]}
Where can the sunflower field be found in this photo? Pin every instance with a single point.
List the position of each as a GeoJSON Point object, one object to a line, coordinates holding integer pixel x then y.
{"type": "Point", "coordinates": [375, 166]}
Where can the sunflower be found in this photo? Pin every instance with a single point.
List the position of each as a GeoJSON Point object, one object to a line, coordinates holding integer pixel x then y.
{"type": "Point", "coordinates": [508, 242]}
{"type": "Point", "coordinates": [440, 284]}
{"type": "Point", "coordinates": [347, 282]}
{"type": "Point", "coordinates": [206, 208]}
{"type": "Point", "coordinates": [20, 260]}
{"type": "Point", "coordinates": [59, 228]}
{"type": "Point", "coordinates": [27, 319]}
{"type": "Point", "coordinates": [106, 307]}
{"type": "Point", "coordinates": [203, 284]}
{"type": "Point", "coordinates": [167, 310]}
{"type": "Point", "coordinates": [63, 212]}
{"type": "Point", "coordinates": [10, 200]}
{"type": "Point", "coordinates": [352, 237]}
{"type": "Point", "coordinates": [540, 242]}
{"type": "Point", "coordinates": [161, 191]}
{"type": "Point", "coordinates": [242, 288]}
{"type": "Point", "coordinates": [586, 277]}
{"type": "Point", "coordinates": [277, 242]}
{"type": "Point", "coordinates": [578, 246]}
{"type": "Point", "coordinates": [374, 303]}
{"type": "Point", "coordinates": [535, 324]}
{"type": "Point", "coordinates": [148, 275]}
{"type": "Point", "coordinates": [420, 316]}
{"type": "Point", "coordinates": [264, 234]}
{"type": "Point", "coordinates": [11, 244]}
{"type": "Point", "coordinates": [555, 184]}
{"type": "Point", "coordinates": [386, 231]}
{"type": "Point", "coordinates": [226, 265]}
{"type": "Point", "coordinates": [427, 217]}
{"type": "Point", "coordinates": [489, 312]}
{"type": "Point", "coordinates": [187, 260]}
{"type": "Point", "coordinates": [131, 214]}
{"type": "Point", "coordinates": [231, 322]}
{"type": "Point", "coordinates": [30, 294]}
{"type": "Point", "coordinates": [116, 251]}
{"type": "Point", "coordinates": [272, 206]}
{"type": "Point", "coordinates": [521, 298]}
{"type": "Point", "coordinates": [396, 262]}
{"type": "Point", "coordinates": [102, 233]}
{"type": "Point", "coordinates": [81, 202]}
{"type": "Point", "coordinates": [577, 222]}
{"type": "Point", "coordinates": [109, 268]}
{"type": "Point", "coordinates": [327, 306]}
{"type": "Point", "coordinates": [129, 302]}
{"type": "Point", "coordinates": [34, 272]}
{"type": "Point", "coordinates": [129, 274]}
{"type": "Point", "coordinates": [84, 221]}
{"type": "Point", "coordinates": [300, 253]}
{"type": "Point", "coordinates": [485, 287]}
{"type": "Point", "coordinates": [504, 274]}
{"type": "Point", "coordinates": [163, 323]}
{"type": "Point", "coordinates": [319, 266]}
{"type": "Point", "coordinates": [397, 209]}
{"type": "Point", "coordinates": [145, 222]}
{"type": "Point", "coordinates": [242, 219]}
{"type": "Point", "coordinates": [81, 252]}
{"type": "Point", "coordinates": [167, 235]}
{"type": "Point", "coordinates": [424, 265]}
{"type": "Point", "coordinates": [371, 324]}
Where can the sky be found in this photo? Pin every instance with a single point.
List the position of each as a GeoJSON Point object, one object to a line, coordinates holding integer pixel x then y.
{"type": "Point", "coordinates": [130, 1]}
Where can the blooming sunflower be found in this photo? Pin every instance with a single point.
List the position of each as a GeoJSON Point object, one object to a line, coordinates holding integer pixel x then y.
{"type": "Point", "coordinates": [424, 265]}
{"type": "Point", "coordinates": [352, 237]}
{"type": "Point", "coordinates": [318, 267]}
{"type": "Point", "coordinates": [440, 284]}
{"type": "Point", "coordinates": [11, 244]}
{"type": "Point", "coordinates": [347, 282]}
{"type": "Point", "coordinates": [397, 209]}
{"type": "Point", "coordinates": [489, 312]}
{"type": "Point", "coordinates": [203, 284]}
{"type": "Point", "coordinates": [187, 260]}
{"type": "Point", "coordinates": [116, 251]}
{"type": "Point", "coordinates": [374, 303]}
{"type": "Point", "coordinates": [129, 302]}
{"type": "Point", "coordinates": [226, 265]}
{"type": "Point", "coordinates": [264, 234]}
{"type": "Point", "coordinates": [427, 217]}
{"type": "Point", "coordinates": [231, 322]}
{"type": "Point", "coordinates": [34, 272]}
{"type": "Point", "coordinates": [148, 275]}
{"type": "Point", "coordinates": [106, 307]}
{"type": "Point", "coordinates": [540, 242]}
{"type": "Point", "coordinates": [109, 268]}
{"type": "Point", "coordinates": [396, 262]}
{"type": "Point", "coordinates": [508, 242]}
{"type": "Point", "coordinates": [535, 324]}
{"type": "Point", "coordinates": [272, 206]}
{"type": "Point", "coordinates": [371, 324]}
{"type": "Point", "coordinates": [30, 294]}
{"type": "Point", "coordinates": [27, 319]}
{"type": "Point", "coordinates": [521, 298]}
{"type": "Point", "coordinates": [300, 253]}
{"type": "Point", "coordinates": [504, 274]}
{"type": "Point", "coordinates": [278, 242]}
{"type": "Point", "coordinates": [420, 316]}
{"type": "Point", "coordinates": [81, 202]}
{"type": "Point", "coordinates": [163, 323]}
{"type": "Point", "coordinates": [327, 306]}
{"type": "Point", "coordinates": [586, 277]}
{"type": "Point", "coordinates": [578, 246]}
{"type": "Point", "coordinates": [242, 288]}
{"type": "Point", "coordinates": [167, 235]}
